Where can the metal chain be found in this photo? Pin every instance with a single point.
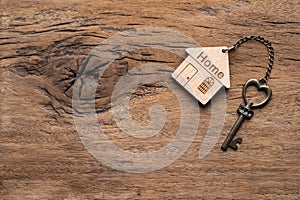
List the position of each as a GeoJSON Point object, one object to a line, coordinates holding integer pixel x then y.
{"type": "Point", "coordinates": [268, 44]}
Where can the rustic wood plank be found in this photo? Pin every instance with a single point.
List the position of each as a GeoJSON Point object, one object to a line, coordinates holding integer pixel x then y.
{"type": "Point", "coordinates": [43, 44]}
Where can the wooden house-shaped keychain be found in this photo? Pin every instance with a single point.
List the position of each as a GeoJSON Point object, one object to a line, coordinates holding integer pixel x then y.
{"type": "Point", "coordinates": [204, 72]}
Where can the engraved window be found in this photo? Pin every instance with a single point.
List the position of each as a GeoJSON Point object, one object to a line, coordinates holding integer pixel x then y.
{"type": "Point", "coordinates": [206, 85]}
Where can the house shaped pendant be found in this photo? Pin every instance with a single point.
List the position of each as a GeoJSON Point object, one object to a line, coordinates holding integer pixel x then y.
{"type": "Point", "coordinates": [204, 72]}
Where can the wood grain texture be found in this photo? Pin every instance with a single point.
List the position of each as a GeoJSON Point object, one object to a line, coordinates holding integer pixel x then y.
{"type": "Point", "coordinates": [43, 44]}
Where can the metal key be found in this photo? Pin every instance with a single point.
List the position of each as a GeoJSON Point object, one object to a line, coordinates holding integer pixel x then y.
{"type": "Point", "coordinates": [245, 112]}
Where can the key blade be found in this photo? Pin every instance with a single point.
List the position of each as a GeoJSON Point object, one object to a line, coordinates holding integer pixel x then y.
{"type": "Point", "coordinates": [232, 132]}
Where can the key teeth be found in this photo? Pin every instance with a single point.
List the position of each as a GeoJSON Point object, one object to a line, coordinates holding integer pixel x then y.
{"type": "Point", "coordinates": [233, 143]}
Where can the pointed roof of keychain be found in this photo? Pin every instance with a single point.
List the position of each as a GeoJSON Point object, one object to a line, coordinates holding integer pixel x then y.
{"type": "Point", "coordinates": [214, 61]}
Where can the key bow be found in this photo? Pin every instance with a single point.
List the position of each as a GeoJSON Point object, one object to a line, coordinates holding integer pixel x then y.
{"type": "Point", "coordinates": [260, 87]}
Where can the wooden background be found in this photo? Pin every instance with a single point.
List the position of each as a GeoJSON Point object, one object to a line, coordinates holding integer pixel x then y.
{"type": "Point", "coordinates": [43, 43]}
